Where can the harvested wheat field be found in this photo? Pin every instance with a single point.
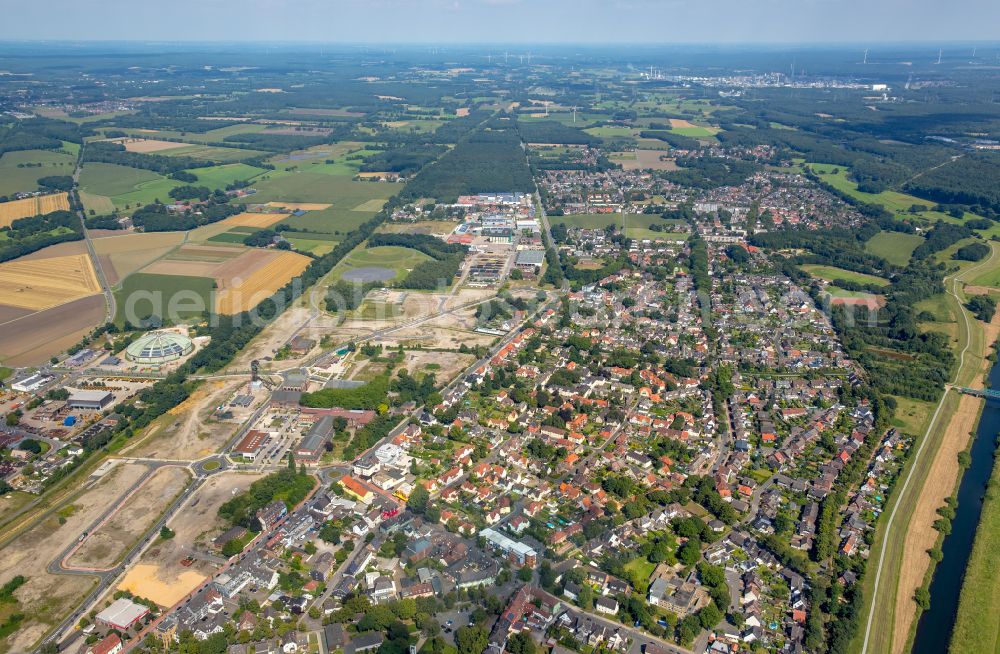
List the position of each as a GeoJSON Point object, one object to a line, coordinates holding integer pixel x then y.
{"type": "Point", "coordinates": [244, 289]}
{"type": "Point", "coordinates": [28, 339]}
{"type": "Point", "coordinates": [28, 207]}
{"type": "Point", "coordinates": [109, 542]}
{"type": "Point", "coordinates": [130, 252]}
{"type": "Point", "coordinates": [44, 283]}
{"type": "Point", "coordinates": [300, 206]}
{"type": "Point", "coordinates": [183, 268]}
{"type": "Point", "coordinates": [203, 252]}
{"type": "Point", "coordinates": [248, 219]}
{"type": "Point", "coordinates": [680, 123]}
{"type": "Point", "coordinates": [58, 250]}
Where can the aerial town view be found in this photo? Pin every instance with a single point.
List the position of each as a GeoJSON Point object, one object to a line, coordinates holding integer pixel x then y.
{"type": "Point", "coordinates": [499, 327]}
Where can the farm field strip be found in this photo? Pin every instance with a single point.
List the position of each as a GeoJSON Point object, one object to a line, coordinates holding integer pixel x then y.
{"type": "Point", "coordinates": [250, 219]}
{"type": "Point", "coordinates": [44, 283]}
{"type": "Point", "coordinates": [241, 293]}
{"type": "Point", "coordinates": [36, 206]}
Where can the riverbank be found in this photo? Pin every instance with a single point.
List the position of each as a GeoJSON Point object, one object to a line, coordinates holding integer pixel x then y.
{"type": "Point", "coordinates": [977, 627]}
{"type": "Point", "coordinates": [899, 560]}
{"type": "Point", "coordinates": [942, 483]}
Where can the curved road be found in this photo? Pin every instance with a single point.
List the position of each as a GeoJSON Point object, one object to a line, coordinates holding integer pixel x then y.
{"type": "Point", "coordinates": [953, 291]}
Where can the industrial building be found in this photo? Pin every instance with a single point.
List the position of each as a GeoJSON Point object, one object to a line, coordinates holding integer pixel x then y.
{"type": "Point", "coordinates": [157, 348]}
{"type": "Point", "coordinates": [311, 446]}
{"type": "Point", "coordinates": [90, 400]}
{"type": "Point", "coordinates": [122, 614]}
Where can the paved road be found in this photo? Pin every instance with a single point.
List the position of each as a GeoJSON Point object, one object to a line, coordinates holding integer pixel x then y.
{"type": "Point", "coordinates": [109, 296]}
{"type": "Point", "coordinates": [108, 577]}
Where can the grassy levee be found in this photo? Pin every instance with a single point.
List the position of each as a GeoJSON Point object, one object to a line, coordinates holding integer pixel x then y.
{"type": "Point", "coordinates": [977, 626]}
{"type": "Point", "coordinates": [881, 581]}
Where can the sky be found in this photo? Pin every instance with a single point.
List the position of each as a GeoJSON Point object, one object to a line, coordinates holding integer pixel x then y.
{"type": "Point", "coordinates": [504, 21]}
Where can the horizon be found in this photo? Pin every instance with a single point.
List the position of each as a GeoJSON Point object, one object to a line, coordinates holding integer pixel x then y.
{"type": "Point", "coordinates": [508, 21]}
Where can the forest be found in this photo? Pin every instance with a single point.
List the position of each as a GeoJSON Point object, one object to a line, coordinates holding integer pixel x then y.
{"type": "Point", "coordinates": [157, 218]}
{"type": "Point", "coordinates": [27, 235]}
{"type": "Point", "coordinates": [489, 159]}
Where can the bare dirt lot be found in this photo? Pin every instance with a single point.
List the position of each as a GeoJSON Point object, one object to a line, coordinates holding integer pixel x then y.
{"type": "Point", "coordinates": [47, 598]}
{"type": "Point", "coordinates": [104, 547]}
{"type": "Point", "coordinates": [188, 432]}
{"type": "Point", "coordinates": [160, 575]}
{"type": "Point", "coordinates": [443, 365]}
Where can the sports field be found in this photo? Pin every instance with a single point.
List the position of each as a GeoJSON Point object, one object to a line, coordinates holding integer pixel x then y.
{"type": "Point", "coordinates": [894, 247]}
{"type": "Point", "coordinates": [28, 207]}
{"type": "Point", "coordinates": [38, 284]}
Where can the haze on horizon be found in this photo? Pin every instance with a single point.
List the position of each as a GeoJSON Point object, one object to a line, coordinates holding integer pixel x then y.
{"type": "Point", "coordinates": [505, 21]}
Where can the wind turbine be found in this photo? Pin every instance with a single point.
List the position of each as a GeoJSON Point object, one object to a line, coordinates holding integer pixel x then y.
{"type": "Point", "coordinates": [574, 114]}
{"type": "Point", "coordinates": [866, 57]}
{"type": "Point", "coordinates": [939, 56]}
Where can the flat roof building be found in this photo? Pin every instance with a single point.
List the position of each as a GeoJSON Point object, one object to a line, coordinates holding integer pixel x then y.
{"type": "Point", "coordinates": [122, 614]}
{"type": "Point", "coordinates": [311, 445]}
{"type": "Point", "coordinates": [251, 445]}
{"type": "Point", "coordinates": [529, 258]}
{"type": "Point", "coordinates": [90, 400]}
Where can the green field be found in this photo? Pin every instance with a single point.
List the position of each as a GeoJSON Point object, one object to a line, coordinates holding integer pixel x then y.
{"type": "Point", "coordinates": [894, 247]}
{"type": "Point", "coordinates": [830, 273]}
{"type": "Point", "coordinates": [399, 259]}
{"type": "Point", "coordinates": [211, 136]}
{"type": "Point", "coordinates": [14, 179]}
{"type": "Point", "coordinates": [217, 177]}
{"type": "Point", "coordinates": [695, 132]}
{"type": "Point", "coordinates": [313, 246]}
{"type": "Point", "coordinates": [891, 200]}
{"type": "Point", "coordinates": [235, 235]}
{"type": "Point", "coordinates": [124, 185]}
{"type": "Point", "coordinates": [600, 220]}
{"type": "Point", "coordinates": [351, 201]}
{"type": "Point", "coordinates": [212, 153]}
{"type": "Point", "coordinates": [188, 292]}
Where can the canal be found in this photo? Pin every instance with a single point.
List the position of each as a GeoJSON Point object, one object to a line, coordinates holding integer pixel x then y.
{"type": "Point", "coordinates": [937, 622]}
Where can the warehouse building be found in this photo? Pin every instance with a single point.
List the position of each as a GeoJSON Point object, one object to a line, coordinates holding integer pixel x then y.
{"type": "Point", "coordinates": [90, 400]}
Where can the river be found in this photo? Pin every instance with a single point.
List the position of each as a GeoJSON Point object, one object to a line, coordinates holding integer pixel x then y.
{"type": "Point", "coordinates": [937, 622]}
